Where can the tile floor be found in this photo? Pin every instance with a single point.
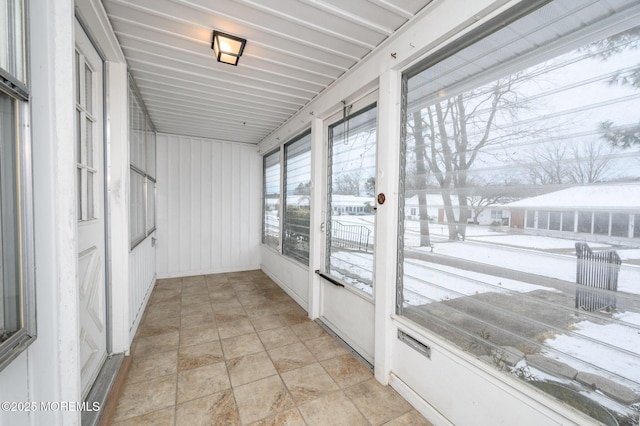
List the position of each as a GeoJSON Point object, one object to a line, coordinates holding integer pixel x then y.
{"type": "Point", "coordinates": [234, 349]}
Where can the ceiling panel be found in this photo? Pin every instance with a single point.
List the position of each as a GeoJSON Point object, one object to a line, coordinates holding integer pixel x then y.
{"type": "Point", "coordinates": [295, 49]}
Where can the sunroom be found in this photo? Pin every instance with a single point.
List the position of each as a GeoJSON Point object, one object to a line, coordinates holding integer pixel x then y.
{"type": "Point", "coordinates": [186, 226]}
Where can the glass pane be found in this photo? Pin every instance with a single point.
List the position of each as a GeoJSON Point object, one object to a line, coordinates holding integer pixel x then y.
{"type": "Point", "coordinates": [543, 219]}
{"type": "Point", "coordinates": [556, 134]}
{"type": "Point", "coordinates": [297, 199]}
{"type": "Point", "coordinates": [554, 221]}
{"type": "Point", "coordinates": [80, 195]}
{"type": "Point", "coordinates": [78, 132]}
{"type": "Point", "coordinates": [137, 130]}
{"type": "Point", "coordinates": [137, 207]}
{"type": "Point", "coordinates": [76, 70]}
{"type": "Point", "coordinates": [568, 221]}
{"type": "Point", "coordinates": [531, 219]}
{"type": "Point", "coordinates": [88, 84]}
{"type": "Point", "coordinates": [11, 39]}
{"type": "Point", "coordinates": [151, 150]}
{"type": "Point", "coordinates": [91, 214]}
{"type": "Point", "coordinates": [351, 221]}
{"type": "Point", "coordinates": [271, 208]}
{"type": "Point", "coordinates": [151, 205]}
{"type": "Point", "coordinates": [619, 225]}
{"type": "Point", "coordinates": [585, 222]}
{"type": "Point", "coordinates": [636, 226]}
{"type": "Point", "coordinates": [88, 142]}
{"type": "Point", "coordinates": [601, 223]}
{"type": "Point", "coordinates": [10, 295]}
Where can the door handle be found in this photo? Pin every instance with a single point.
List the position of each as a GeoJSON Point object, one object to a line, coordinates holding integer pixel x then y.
{"type": "Point", "coordinates": [329, 278]}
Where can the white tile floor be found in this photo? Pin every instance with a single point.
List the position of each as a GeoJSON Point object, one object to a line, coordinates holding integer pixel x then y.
{"type": "Point", "coordinates": [234, 349]}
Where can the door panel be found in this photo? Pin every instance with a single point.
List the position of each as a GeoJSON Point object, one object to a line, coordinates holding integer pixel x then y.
{"type": "Point", "coordinates": [350, 225]}
{"type": "Point", "coordinates": [90, 208]}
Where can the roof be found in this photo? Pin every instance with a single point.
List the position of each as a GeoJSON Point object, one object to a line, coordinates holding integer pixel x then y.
{"type": "Point", "coordinates": [619, 196]}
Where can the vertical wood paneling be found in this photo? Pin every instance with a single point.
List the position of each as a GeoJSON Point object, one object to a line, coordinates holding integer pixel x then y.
{"type": "Point", "coordinates": [209, 192]}
{"type": "Point", "coordinates": [142, 273]}
{"type": "Point", "coordinates": [206, 195]}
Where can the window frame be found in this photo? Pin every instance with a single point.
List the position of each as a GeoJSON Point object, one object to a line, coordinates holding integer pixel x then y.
{"type": "Point", "coordinates": [283, 195]}
{"type": "Point", "coordinates": [532, 217]}
{"type": "Point", "coordinates": [359, 108]}
{"type": "Point", "coordinates": [16, 88]}
{"type": "Point", "coordinates": [144, 169]}
{"type": "Point", "coordinates": [276, 152]}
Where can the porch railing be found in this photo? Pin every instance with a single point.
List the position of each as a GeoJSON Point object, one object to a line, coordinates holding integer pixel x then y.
{"type": "Point", "coordinates": [597, 278]}
{"type": "Point", "coordinates": [351, 237]}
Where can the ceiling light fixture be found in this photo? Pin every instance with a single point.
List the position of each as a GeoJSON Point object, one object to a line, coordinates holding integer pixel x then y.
{"type": "Point", "coordinates": [228, 48]}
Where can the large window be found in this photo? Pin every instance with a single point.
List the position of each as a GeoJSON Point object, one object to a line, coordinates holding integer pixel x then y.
{"type": "Point", "coordinates": [287, 195]}
{"type": "Point", "coordinates": [271, 199]}
{"type": "Point", "coordinates": [17, 296]}
{"type": "Point", "coordinates": [350, 198]}
{"type": "Point", "coordinates": [297, 201]}
{"type": "Point", "coordinates": [142, 171]}
{"type": "Point", "coordinates": [538, 118]}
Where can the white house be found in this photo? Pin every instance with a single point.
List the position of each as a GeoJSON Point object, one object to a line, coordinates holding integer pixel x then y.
{"type": "Point", "coordinates": [129, 154]}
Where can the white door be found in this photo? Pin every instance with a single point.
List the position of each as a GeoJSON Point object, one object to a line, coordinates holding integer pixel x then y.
{"type": "Point", "coordinates": [346, 292]}
{"type": "Point", "coordinates": [90, 207]}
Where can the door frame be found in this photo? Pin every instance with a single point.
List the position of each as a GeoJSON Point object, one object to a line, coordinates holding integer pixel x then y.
{"type": "Point", "coordinates": [357, 335]}
{"type": "Point", "coordinates": [102, 87]}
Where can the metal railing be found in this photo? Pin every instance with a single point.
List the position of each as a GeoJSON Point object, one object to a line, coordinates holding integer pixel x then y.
{"type": "Point", "coordinates": [597, 276]}
{"type": "Point", "coordinates": [351, 237]}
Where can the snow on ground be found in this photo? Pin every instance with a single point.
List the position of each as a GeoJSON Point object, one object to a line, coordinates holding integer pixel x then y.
{"type": "Point", "coordinates": [630, 317]}
{"type": "Point", "coordinates": [628, 254]}
{"type": "Point", "coordinates": [441, 282]}
{"type": "Point", "coordinates": [533, 241]}
{"type": "Point", "coordinates": [601, 356]}
{"type": "Point", "coordinates": [546, 264]}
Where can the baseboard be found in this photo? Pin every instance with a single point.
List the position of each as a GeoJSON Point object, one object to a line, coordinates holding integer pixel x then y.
{"type": "Point", "coordinates": [181, 274]}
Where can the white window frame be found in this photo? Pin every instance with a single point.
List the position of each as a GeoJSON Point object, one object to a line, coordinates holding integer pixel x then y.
{"type": "Point", "coordinates": [14, 85]}
{"type": "Point", "coordinates": [144, 167]}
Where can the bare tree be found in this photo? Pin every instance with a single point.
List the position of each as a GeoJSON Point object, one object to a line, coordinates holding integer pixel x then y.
{"type": "Point", "coordinates": [592, 162]}
{"type": "Point", "coordinates": [420, 179]}
{"type": "Point", "coordinates": [547, 164]}
{"type": "Point", "coordinates": [483, 194]}
{"type": "Point", "coordinates": [347, 184]}
{"type": "Point", "coordinates": [557, 163]}
{"type": "Point", "coordinates": [455, 132]}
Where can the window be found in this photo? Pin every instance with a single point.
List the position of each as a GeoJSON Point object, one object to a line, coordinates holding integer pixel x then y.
{"type": "Point", "coordinates": [297, 184]}
{"type": "Point", "coordinates": [17, 295]}
{"type": "Point", "coordinates": [142, 170]}
{"type": "Point", "coordinates": [352, 171]}
{"type": "Point", "coordinates": [271, 207]}
{"type": "Point", "coordinates": [540, 107]}
{"type": "Point", "coordinates": [568, 219]}
{"type": "Point", "coordinates": [585, 221]}
{"type": "Point", "coordinates": [531, 217]}
{"type": "Point", "coordinates": [85, 153]}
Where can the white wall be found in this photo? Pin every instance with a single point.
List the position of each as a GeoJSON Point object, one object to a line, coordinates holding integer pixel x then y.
{"type": "Point", "coordinates": [142, 278]}
{"type": "Point", "coordinates": [209, 206]}
{"type": "Point", "coordinates": [290, 275]}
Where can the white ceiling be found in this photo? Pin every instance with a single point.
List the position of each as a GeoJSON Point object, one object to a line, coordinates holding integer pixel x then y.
{"type": "Point", "coordinates": [295, 49]}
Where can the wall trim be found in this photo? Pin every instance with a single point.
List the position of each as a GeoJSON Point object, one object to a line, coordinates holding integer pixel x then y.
{"type": "Point", "coordinates": [182, 274]}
